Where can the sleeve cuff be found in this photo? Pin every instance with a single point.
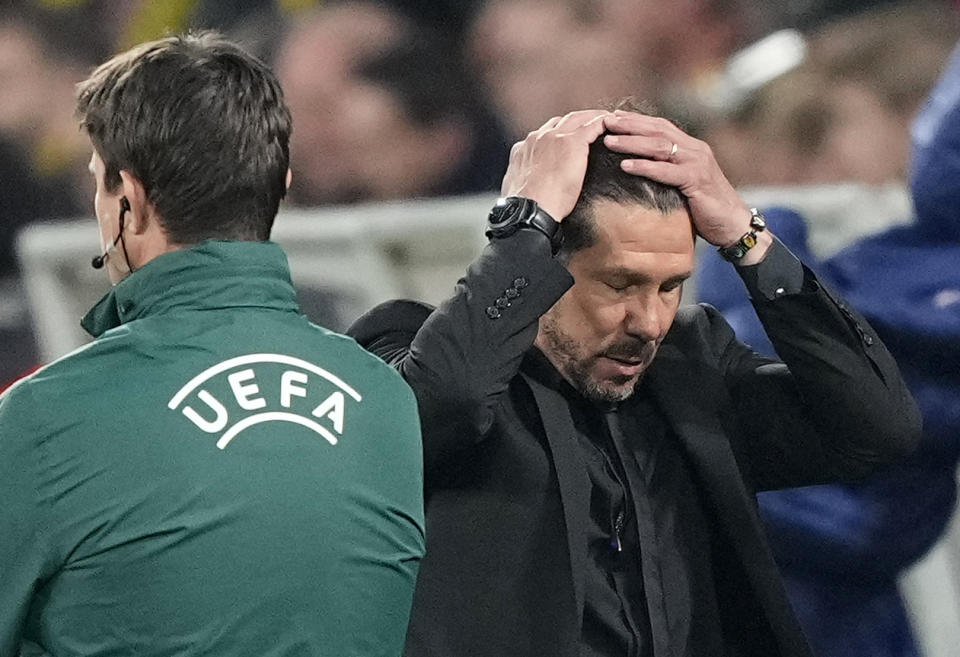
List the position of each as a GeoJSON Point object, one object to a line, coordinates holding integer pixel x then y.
{"type": "Point", "coordinates": [779, 273]}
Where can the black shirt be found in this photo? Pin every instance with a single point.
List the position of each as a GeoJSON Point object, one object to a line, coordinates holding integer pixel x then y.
{"type": "Point", "coordinates": [648, 581]}
{"type": "Point", "coordinates": [615, 619]}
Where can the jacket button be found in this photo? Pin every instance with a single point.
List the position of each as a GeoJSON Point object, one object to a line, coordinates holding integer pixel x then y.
{"type": "Point", "coordinates": [511, 293]}
{"type": "Point", "coordinates": [520, 282]}
{"type": "Point", "coordinates": [868, 339]}
{"type": "Point", "coordinates": [493, 312]}
{"type": "Point", "coordinates": [502, 302]}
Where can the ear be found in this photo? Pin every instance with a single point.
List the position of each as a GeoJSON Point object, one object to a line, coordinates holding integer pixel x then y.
{"type": "Point", "coordinates": [138, 217]}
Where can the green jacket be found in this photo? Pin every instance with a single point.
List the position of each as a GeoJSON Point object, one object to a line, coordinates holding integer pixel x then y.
{"type": "Point", "coordinates": [213, 475]}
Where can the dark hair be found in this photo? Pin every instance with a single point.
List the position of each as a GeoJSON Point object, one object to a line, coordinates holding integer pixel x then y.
{"type": "Point", "coordinates": [606, 180]}
{"type": "Point", "coordinates": [202, 124]}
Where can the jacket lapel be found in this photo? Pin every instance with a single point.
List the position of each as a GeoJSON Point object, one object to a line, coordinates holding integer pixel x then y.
{"type": "Point", "coordinates": [572, 478]}
{"type": "Point", "coordinates": [689, 397]}
{"type": "Point", "coordinates": [693, 400]}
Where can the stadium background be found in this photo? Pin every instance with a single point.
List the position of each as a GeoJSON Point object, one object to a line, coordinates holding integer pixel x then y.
{"type": "Point", "coordinates": [404, 112]}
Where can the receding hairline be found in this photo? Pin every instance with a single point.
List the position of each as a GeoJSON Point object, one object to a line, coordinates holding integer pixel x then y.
{"type": "Point", "coordinates": [585, 222]}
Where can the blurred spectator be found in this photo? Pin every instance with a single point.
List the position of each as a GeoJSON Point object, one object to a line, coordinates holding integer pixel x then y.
{"type": "Point", "coordinates": [811, 14]}
{"type": "Point", "coordinates": [684, 40]}
{"type": "Point", "coordinates": [543, 58]}
{"type": "Point", "coordinates": [898, 49]}
{"type": "Point", "coordinates": [257, 23]}
{"type": "Point", "coordinates": [382, 109]}
{"type": "Point", "coordinates": [806, 128]}
{"type": "Point", "coordinates": [22, 200]}
{"type": "Point", "coordinates": [451, 16]}
{"type": "Point", "coordinates": [44, 156]}
{"type": "Point", "coordinates": [843, 115]}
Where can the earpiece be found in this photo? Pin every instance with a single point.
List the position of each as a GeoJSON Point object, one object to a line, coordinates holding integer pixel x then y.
{"type": "Point", "coordinates": [97, 262]}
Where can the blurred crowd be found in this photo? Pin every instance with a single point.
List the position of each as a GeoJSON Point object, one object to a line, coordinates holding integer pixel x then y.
{"type": "Point", "coordinates": [412, 98]}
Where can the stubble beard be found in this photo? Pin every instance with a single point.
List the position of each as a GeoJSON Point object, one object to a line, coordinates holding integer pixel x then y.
{"type": "Point", "coordinates": [567, 356]}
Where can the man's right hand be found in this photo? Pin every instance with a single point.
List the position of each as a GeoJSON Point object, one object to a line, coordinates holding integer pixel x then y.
{"type": "Point", "coordinates": [549, 165]}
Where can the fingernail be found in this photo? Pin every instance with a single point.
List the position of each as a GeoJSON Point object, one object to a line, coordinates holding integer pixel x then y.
{"type": "Point", "coordinates": [611, 140]}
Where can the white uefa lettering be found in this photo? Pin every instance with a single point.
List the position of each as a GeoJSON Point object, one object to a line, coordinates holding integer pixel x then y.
{"type": "Point", "coordinates": [332, 409]}
{"type": "Point", "coordinates": [288, 390]}
{"type": "Point", "coordinates": [251, 359]}
{"type": "Point", "coordinates": [244, 394]}
{"type": "Point", "coordinates": [245, 385]}
{"type": "Point", "coordinates": [218, 423]}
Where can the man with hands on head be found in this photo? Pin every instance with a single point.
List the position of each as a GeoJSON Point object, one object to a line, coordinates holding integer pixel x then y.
{"type": "Point", "coordinates": [592, 449]}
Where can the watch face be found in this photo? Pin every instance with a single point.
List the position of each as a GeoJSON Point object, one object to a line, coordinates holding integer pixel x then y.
{"type": "Point", "coordinates": [503, 210]}
{"type": "Point", "coordinates": [504, 216]}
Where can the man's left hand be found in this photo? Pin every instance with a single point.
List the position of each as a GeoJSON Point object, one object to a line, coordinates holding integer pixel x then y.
{"type": "Point", "coordinates": [669, 155]}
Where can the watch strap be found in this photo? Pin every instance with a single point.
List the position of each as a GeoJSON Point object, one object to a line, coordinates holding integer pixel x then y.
{"type": "Point", "coordinates": [516, 212]}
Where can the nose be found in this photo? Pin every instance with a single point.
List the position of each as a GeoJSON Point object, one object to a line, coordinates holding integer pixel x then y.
{"type": "Point", "coordinates": [644, 317]}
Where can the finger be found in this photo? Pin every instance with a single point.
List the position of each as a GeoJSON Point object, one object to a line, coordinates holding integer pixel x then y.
{"type": "Point", "coordinates": [593, 128]}
{"type": "Point", "coordinates": [583, 127]}
{"type": "Point", "coordinates": [544, 129]}
{"type": "Point", "coordinates": [651, 126]}
{"type": "Point", "coordinates": [579, 119]}
{"type": "Point", "coordinates": [657, 148]}
{"type": "Point", "coordinates": [586, 133]}
{"type": "Point", "coordinates": [667, 173]}
{"type": "Point", "coordinates": [550, 124]}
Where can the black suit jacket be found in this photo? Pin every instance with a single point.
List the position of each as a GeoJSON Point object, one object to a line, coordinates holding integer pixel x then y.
{"type": "Point", "coordinates": [507, 491]}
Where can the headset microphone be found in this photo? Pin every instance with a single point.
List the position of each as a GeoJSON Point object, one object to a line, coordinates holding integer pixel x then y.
{"type": "Point", "coordinates": [97, 262]}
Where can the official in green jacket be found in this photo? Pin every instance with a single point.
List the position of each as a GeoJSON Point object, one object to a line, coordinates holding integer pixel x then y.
{"type": "Point", "coordinates": [213, 475]}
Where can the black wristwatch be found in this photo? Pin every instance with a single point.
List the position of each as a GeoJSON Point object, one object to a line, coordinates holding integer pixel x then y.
{"type": "Point", "coordinates": [737, 250]}
{"type": "Point", "coordinates": [515, 212]}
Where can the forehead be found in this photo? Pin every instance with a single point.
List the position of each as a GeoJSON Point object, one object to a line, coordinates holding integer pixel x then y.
{"type": "Point", "coordinates": [625, 232]}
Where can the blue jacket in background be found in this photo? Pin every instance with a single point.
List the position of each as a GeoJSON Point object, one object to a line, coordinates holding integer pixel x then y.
{"type": "Point", "coordinates": [841, 547]}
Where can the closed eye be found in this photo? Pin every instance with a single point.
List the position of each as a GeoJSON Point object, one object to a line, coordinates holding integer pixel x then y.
{"type": "Point", "coordinates": [620, 279]}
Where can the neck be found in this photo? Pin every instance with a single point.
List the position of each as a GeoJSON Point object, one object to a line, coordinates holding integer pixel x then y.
{"type": "Point", "coordinates": [147, 245]}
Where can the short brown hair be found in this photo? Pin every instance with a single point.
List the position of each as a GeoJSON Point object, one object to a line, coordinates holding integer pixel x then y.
{"type": "Point", "coordinates": [202, 124]}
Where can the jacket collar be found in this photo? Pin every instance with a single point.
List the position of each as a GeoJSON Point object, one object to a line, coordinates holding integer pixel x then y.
{"type": "Point", "coordinates": [210, 275]}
